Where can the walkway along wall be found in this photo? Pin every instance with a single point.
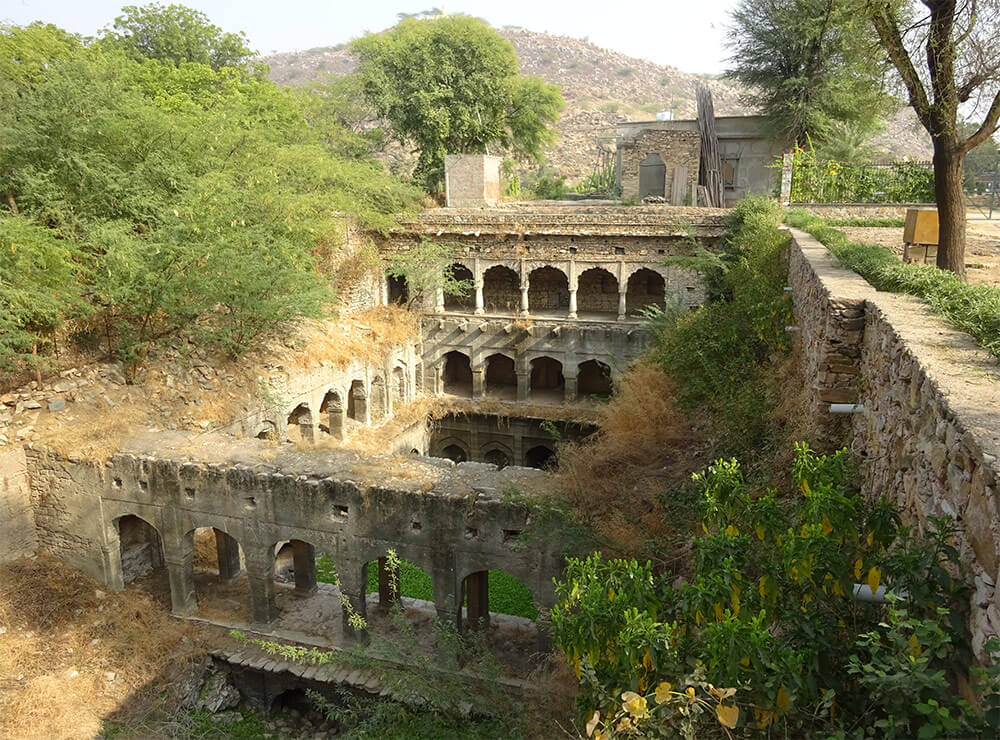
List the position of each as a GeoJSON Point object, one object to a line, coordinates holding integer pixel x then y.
{"type": "Point", "coordinates": [452, 521]}
{"type": "Point", "coordinates": [929, 432]}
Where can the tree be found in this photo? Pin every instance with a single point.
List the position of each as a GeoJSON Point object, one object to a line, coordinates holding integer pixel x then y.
{"type": "Point", "coordinates": [427, 269]}
{"type": "Point", "coordinates": [175, 33]}
{"type": "Point", "coordinates": [946, 58]}
{"type": "Point", "coordinates": [807, 64]}
{"type": "Point", "coordinates": [450, 85]}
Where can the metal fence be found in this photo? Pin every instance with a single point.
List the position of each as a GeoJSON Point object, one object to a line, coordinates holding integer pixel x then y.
{"type": "Point", "coordinates": [982, 189]}
{"type": "Point", "coordinates": [868, 182]}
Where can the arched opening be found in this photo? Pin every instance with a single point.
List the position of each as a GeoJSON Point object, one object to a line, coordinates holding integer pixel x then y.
{"type": "Point", "coordinates": [541, 457]}
{"type": "Point", "coordinates": [597, 292]}
{"type": "Point", "coordinates": [399, 291]}
{"type": "Point", "coordinates": [267, 430]}
{"type": "Point", "coordinates": [300, 424]}
{"type": "Point", "coordinates": [332, 411]}
{"type": "Point", "coordinates": [501, 377]}
{"type": "Point", "coordinates": [487, 594]}
{"type": "Point", "coordinates": [295, 562]}
{"type": "Point", "coordinates": [501, 290]}
{"type": "Point", "coordinates": [140, 548]}
{"type": "Point", "coordinates": [377, 409]}
{"type": "Point", "coordinates": [409, 581]}
{"type": "Point", "coordinates": [455, 453]}
{"type": "Point", "coordinates": [645, 288]}
{"type": "Point", "coordinates": [398, 386]}
{"type": "Point", "coordinates": [467, 301]}
{"type": "Point", "coordinates": [548, 290]}
{"type": "Point", "coordinates": [457, 374]}
{"type": "Point", "coordinates": [547, 382]}
{"type": "Point", "coordinates": [357, 402]}
{"type": "Point", "coordinates": [292, 700]}
{"type": "Point", "coordinates": [497, 457]}
{"type": "Point", "coordinates": [594, 379]}
{"type": "Point", "coordinates": [218, 565]}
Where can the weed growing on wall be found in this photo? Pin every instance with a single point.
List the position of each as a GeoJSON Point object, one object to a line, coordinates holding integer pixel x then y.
{"type": "Point", "coordinates": [768, 634]}
{"type": "Point", "coordinates": [974, 309]}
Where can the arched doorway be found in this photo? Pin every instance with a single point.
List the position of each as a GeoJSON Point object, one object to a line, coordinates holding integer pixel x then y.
{"type": "Point", "coordinates": [597, 293]}
{"type": "Point", "coordinates": [267, 430]}
{"type": "Point", "coordinates": [455, 453]}
{"type": "Point", "coordinates": [399, 291]}
{"type": "Point", "coordinates": [501, 377]}
{"type": "Point", "coordinates": [541, 457]}
{"type": "Point", "coordinates": [501, 290]}
{"type": "Point", "coordinates": [217, 565]}
{"type": "Point", "coordinates": [548, 290]}
{"type": "Point", "coordinates": [456, 375]}
{"type": "Point", "coordinates": [497, 457]}
{"type": "Point", "coordinates": [140, 548]}
{"type": "Point", "coordinates": [295, 562]}
{"type": "Point", "coordinates": [547, 381]}
{"type": "Point", "coordinates": [594, 379]}
{"type": "Point", "coordinates": [467, 300]}
{"type": "Point", "coordinates": [645, 288]}
{"type": "Point", "coordinates": [300, 424]}
{"type": "Point", "coordinates": [398, 386]}
{"type": "Point", "coordinates": [495, 592]}
{"type": "Point", "coordinates": [332, 410]}
{"type": "Point", "coordinates": [357, 402]}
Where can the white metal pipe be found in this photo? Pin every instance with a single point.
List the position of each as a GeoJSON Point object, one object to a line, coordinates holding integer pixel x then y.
{"type": "Point", "coordinates": [846, 408]}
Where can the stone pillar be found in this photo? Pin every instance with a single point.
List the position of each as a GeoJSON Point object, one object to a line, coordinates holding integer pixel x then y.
{"type": "Point", "coordinates": [353, 582]}
{"type": "Point", "coordinates": [478, 382]}
{"type": "Point", "coordinates": [517, 430]}
{"type": "Point", "coordinates": [572, 303]}
{"type": "Point", "coordinates": [621, 302]}
{"type": "Point", "coordinates": [570, 390]}
{"type": "Point", "coordinates": [336, 422]}
{"type": "Point", "coordinates": [260, 575]}
{"type": "Point", "coordinates": [477, 606]}
{"type": "Point", "coordinates": [228, 551]}
{"type": "Point", "coordinates": [180, 572]}
{"type": "Point", "coordinates": [307, 432]}
{"type": "Point", "coordinates": [787, 167]}
{"type": "Point", "coordinates": [446, 591]}
{"type": "Point", "coordinates": [524, 297]}
{"type": "Point", "coordinates": [523, 386]}
{"type": "Point", "coordinates": [439, 300]}
{"type": "Point", "coordinates": [388, 584]}
{"type": "Point", "coordinates": [480, 302]}
{"type": "Point", "coordinates": [385, 290]}
{"type": "Point", "coordinates": [304, 563]}
{"type": "Point", "coordinates": [361, 405]}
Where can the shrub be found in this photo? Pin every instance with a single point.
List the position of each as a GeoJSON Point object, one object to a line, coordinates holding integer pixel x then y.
{"type": "Point", "coordinates": [974, 309]}
{"type": "Point", "coordinates": [767, 635]}
{"type": "Point", "coordinates": [827, 181]}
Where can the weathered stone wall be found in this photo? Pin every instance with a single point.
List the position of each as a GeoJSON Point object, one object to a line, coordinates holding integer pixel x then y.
{"type": "Point", "coordinates": [928, 435]}
{"type": "Point", "coordinates": [859, 210]}
{"type": "Point", "coordinates": [675, 148]}
{"type": "Point", "coordinates": [17, 521]}
{"type": "Point", "coordinates": [472, 180]}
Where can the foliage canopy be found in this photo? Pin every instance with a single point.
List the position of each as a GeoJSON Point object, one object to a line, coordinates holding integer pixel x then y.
{"type": "Point", "coordinates": [450, 85]}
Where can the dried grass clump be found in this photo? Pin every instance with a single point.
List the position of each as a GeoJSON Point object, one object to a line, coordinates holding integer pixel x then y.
{"type": "Point", "coordinates": [96, 432]}
{"type": "Point", "coordinates": [64, 639]}
{"type": "Point", "coordinates": [612, 479]}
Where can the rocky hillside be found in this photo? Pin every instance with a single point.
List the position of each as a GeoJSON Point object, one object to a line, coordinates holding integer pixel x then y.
{"type": "Point", "coordinates": [601, 87]}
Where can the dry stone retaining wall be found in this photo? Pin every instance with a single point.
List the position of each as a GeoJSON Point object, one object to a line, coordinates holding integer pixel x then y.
{"type": "Point", "coordinates": [929, 432]}
{"type": "Point", "coordinates": [17, 521]}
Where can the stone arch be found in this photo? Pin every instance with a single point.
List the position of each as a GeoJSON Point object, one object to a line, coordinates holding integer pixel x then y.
{"type": "Point", "coordinates": [501, 290]}
{"type": "Point", "coordinates": [217, 560]}
{"type": "Point", "coordinates": [547, 378]}
{"type": "Point", "coordinates": [597, 292]}
{"type": "Point", "coordinates": [497, 454]}
{"type": "Point", "coordinates": [300, 424]}
{"type": "Point", "coordinates": [398, 387]}
{"type": "Point", "coordinates": [501, 375]}
{"type": "Point", "coordinates": [140, 547]}
{"type": "Point", "coordinates": [540, 456]}
{"type": "Point", "coordinates": [295, 562]}
{"type": "Point", "coordinates": [455, 452]}
{"type": "Point", "coordinates": [267, 429]}
{"type": "Point", "coordinates": [456, 374]}
{"type": "Point", "coordinates": [594, 379]}
{"type": "Point", "coordinates": [465, 302]}
{"type": "Point", "coordinates": [645, 288]}
{"type": "Point", "coordinates": [493, 592]}
{"type": "Point", "coordinates": [332, 409]}
{"type": "Point", "coordinates": [357, 402]}
{"type": "Point", "coordinates": [409, 580]}
{"type": "Point", "coordinates": [548, 290]}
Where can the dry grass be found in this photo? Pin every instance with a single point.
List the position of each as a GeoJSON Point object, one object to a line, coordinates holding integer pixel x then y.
{"type": "Point", "coordinates": [65, 638]}
{"type": "Point", "coordinates": [96, 432]}
{"type": "Point", "coordinates": [613, 479]}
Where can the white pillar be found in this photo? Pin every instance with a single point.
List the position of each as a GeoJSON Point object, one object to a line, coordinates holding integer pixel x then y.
{"type": "Point", "coordinates": [572, 303]}
{"type": "Point", "coordinates": [524, 297]}
{"type": "Point", "coordinates": [480, 303]}
{"type": "Point", "coordinates": [439, 300]}
{"type": "Point", "coordinates": [621, 304]}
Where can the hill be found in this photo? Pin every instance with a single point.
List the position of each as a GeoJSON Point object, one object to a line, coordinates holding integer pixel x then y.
{"type": "Point", "coordinates": [602, 88]}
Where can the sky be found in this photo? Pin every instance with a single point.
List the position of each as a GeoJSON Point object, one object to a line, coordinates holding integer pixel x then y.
{"type": "Point", "coordinates": [689, 36]}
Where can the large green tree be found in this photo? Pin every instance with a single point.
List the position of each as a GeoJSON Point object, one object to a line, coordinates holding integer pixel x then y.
{"type": "Point", "coordinates": [451, 85]}
{"type": "Point", "coordinates": [164, 200]}
{"type": "Point", "coordinates": [808, 65]}
{"type": "Point", "coordinates": [945, 52]}
{"type": "Point", "coordinates": [175, 33]}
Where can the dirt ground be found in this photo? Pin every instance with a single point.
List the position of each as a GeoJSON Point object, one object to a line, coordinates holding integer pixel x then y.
{"type": "Point", "coordinates": [982, 251]}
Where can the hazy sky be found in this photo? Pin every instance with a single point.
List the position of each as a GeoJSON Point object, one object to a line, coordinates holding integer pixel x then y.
{"type": "Point", "coordinates": [686, 35]}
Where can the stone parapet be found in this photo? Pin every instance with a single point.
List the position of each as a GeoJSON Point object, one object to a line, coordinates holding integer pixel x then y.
{"type": "Point", "coordinates": [928, 435]}
{"type": "Point", "coordinates": [858, 210]}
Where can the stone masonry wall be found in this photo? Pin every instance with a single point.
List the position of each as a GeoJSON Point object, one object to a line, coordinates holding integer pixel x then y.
{"type": "Point", "coordinates": [17, 522]}
{"type": "Point", "coordinates": [675, 148]}
{"type": "Point", "coordinates": [929, 432]}
{"type": "Point", "coordinates": [859, 210]}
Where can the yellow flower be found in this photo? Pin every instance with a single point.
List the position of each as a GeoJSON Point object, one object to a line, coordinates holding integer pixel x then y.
{"type": "Point", "coordinates": [635, 704]}
{"type": "Point", "coordinates": [663, 692]}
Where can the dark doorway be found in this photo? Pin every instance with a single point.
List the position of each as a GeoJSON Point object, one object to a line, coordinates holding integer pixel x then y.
{"type": "Point", "coordinates": [501, 378]}
{"type": "Point", "coordinates": [547, 377]}
{"type": "Point", "coordinates": [457, 375]}
{"type": "Point", "coordinates": [652, 176]}
{"type": "Point", "coordinates": [399, 291]}
{"type": "Point", "coordinates": [540, 457]}
{"type": "Point", "coordinates": [594, 379]}
{"type": "Point", "coordinates": [645, 288]}
{"type": "Point", "coordinates": [455, 453]}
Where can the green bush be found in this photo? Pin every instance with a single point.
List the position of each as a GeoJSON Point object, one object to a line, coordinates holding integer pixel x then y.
{"type": "Point", "coordinates": [718, 355]}
{"type": "Point", "coordinates": [974, 309]}
{"type": "Point", "coordinates": [817, 181]}
{"type": "Point", "coordinates": [767, 635]}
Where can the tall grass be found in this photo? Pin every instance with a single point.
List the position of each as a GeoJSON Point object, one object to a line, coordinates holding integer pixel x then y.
{"type": "Point", "coordinates": [974, 309]}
